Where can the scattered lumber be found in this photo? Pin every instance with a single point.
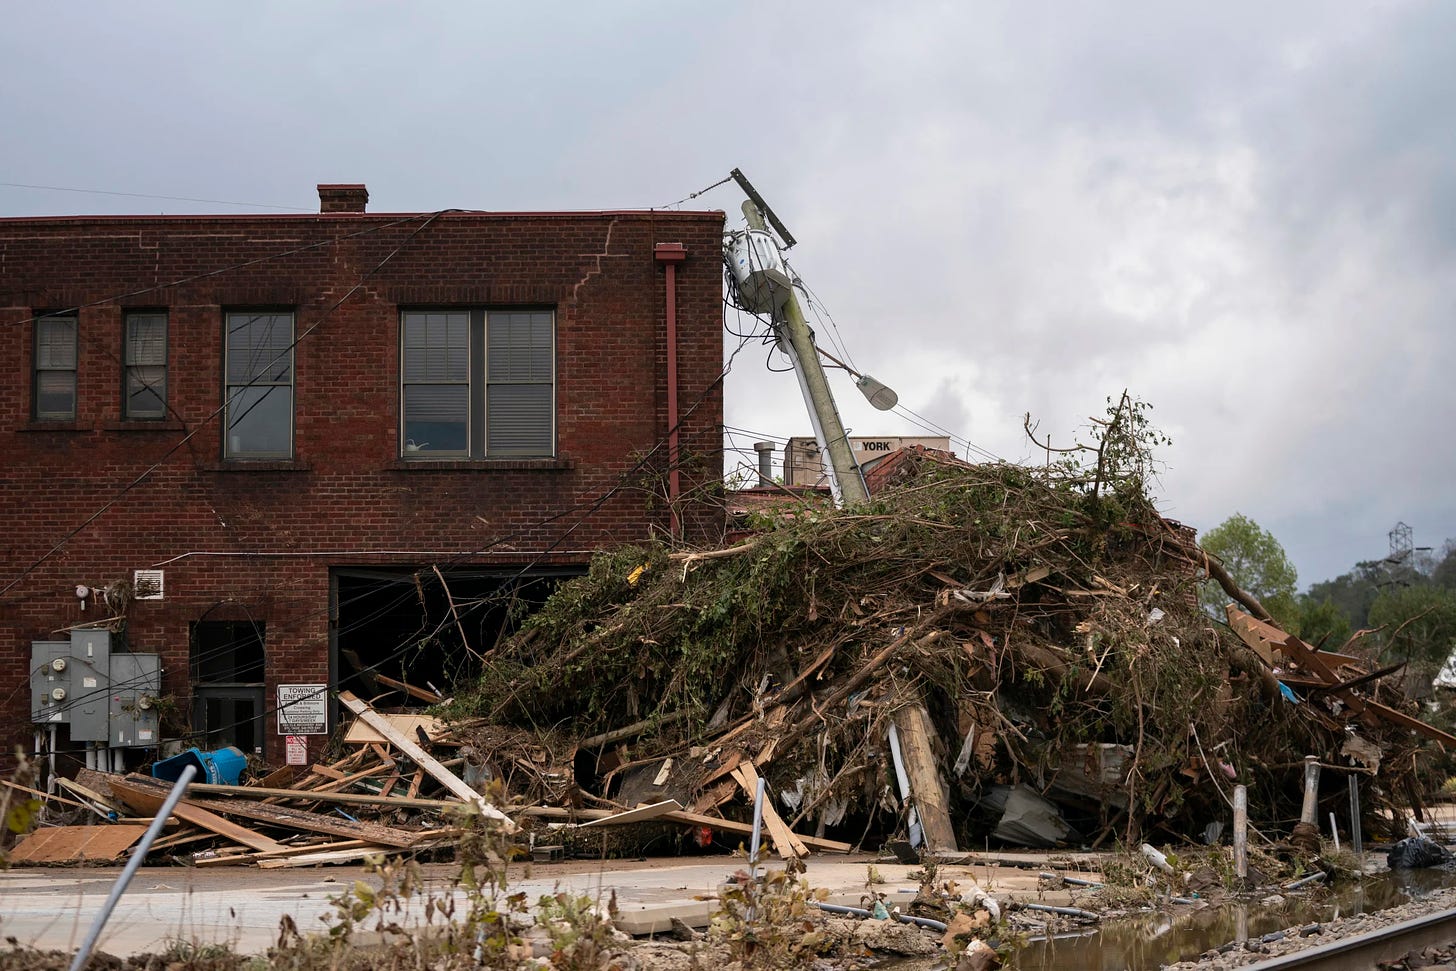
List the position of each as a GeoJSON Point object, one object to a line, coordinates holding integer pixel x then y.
{"type": "Point", "coordinates": [149, 798]}
{"type": "Point", "coordinates": [423, 759]}
{"type": "Point", "coordinates": [76, 844]}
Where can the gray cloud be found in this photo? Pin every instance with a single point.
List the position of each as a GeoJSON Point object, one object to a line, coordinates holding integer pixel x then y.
{"type": "Point", "coordinates": [1244, 213]}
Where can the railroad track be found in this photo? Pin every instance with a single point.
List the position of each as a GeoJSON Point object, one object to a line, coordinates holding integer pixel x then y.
{"type": "Point", "coordinates": [1361, 952]}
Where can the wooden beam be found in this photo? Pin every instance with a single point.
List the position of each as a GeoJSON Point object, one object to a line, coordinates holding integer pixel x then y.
{"type": "Point", "coordinates": [927, 788]}
{"type": "Point", "coordinates": [409, 689]}
{"type": "Point", "coordinates": [691, 819]}
{"type": "Point", "coordinates": [423, 759]}
{"type": "Point", "coordinates": [313, 795]}
{"type": "Point", "coordinates": [639, 815]}
{"type": "Point", "coordinates": [145, 799]}
{"type": "Point", "coordinates": [282, 816]}
{"type": "Point", "coordinates": [784, 841]}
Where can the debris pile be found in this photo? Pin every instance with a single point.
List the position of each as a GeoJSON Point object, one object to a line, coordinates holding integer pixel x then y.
{"type": "Point", "coordinates": [983, 652]}
{"type": "Point", "coordinates": [378, 799]}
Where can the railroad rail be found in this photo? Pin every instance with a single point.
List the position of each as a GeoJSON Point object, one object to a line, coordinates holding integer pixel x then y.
{"type": "Point", "coordinates": [1362, 951]}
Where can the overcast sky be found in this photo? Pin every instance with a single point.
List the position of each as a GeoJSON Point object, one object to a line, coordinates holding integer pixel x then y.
{"type": "Point", "coordinates": [1244, 213]}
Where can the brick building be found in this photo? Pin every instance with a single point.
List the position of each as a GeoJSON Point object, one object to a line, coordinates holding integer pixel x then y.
{"type": "Point", "coordinates": [339, 445]}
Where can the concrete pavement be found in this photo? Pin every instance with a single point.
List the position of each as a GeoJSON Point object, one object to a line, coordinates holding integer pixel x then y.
{"type": "Point", "coordinates": [240, 906]}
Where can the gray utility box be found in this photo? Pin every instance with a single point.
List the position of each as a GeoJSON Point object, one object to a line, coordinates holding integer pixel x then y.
{"type": "Point", "coordinates": [71, 683]}
{"type": "Point", "coordinates": [136, 681]}
{"type": "Point", "coordinates": [90, 685]}
{"type": "Point", "coordinates": [50, 682]}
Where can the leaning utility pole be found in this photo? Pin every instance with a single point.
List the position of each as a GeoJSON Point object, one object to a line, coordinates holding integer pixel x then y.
{"type": "Point", "coordinates": [794, 337]}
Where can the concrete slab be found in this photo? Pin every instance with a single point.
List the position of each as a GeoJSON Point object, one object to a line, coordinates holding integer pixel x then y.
{"type": "Point", "coordinates": [241, 906]}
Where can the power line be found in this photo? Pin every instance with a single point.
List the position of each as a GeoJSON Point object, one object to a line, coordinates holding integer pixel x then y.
{"type": "Point", "coordinates": [145, 195]}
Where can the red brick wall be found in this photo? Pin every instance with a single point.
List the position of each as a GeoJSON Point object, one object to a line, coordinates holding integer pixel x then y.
{"type": "Point", "coordinates": [275, 529]}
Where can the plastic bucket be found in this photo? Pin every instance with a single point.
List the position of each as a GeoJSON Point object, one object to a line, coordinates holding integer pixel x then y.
{"type": "Point", "coordinates": [220, 767]}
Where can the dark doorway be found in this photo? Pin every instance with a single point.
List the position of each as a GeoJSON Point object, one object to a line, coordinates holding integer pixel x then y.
{"type": "Point", "coordinates": [410, 628]}
{"type": "Point", "coordinates": [227, 683]}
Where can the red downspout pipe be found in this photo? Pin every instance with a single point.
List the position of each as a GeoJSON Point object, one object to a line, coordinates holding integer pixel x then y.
{"type": "Point", "coordinates": [670, 255]}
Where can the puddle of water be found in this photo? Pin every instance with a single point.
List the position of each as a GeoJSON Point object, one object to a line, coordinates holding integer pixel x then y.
{"type": "Point", "coordinates": [1147, 942]}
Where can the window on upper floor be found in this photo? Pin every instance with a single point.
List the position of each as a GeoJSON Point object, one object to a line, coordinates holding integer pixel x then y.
{"type": "Point", "coordinates": [258, 365]}
{"type": "Point", "coordinates": [144, 361]}
{"type": "Point", "coordinates": [55, 368]}
{"type": "Point", "coordinates": [477, 383]}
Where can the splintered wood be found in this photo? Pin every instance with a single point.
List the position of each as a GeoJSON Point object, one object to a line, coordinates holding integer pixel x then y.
{"type": "Point", "coordinates": [346, 809]}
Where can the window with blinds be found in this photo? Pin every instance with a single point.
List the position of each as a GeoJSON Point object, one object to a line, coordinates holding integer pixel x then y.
{"type": "Point", "coordinates": [144, 355]}
{"type": "Point", "coordinates": [259, 374]}
{"type": "Point", "coordinates": [55, 369]}
{"type": "Point", "coordinates": [477, 383]}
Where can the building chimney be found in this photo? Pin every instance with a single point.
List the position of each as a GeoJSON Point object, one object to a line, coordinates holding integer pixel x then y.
{"type": "Point", "coordinates": [765, 452]}
{"type": "Point", "coordinates": [349, 197]}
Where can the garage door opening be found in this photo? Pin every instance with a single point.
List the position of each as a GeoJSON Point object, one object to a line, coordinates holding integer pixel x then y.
{"type": "Point", "coordinates": [406, 636]}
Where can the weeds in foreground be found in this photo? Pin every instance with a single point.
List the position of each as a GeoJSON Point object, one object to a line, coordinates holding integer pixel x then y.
{"type": "Point", "coordinates": [768, 923]}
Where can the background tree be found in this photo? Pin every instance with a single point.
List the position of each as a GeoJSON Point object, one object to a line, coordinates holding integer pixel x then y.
{"type": "Point", "coordinates": [1354, 592]}
{"type": "Point", "coordinates": [1258, 564]}
{"type": "Point", "coordinates": [1323, 623]}
{"type": "Point", "coordinates": [1419, 627]}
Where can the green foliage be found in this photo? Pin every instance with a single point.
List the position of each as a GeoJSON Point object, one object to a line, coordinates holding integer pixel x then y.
{"type": "Point", "coordinates": [1354, 592]}
{"type": "Point", "coordinates": [1126, 440]}
{"type": "Point", "coordinates": [1257, 563]}
{"type": "Point", "coordinates": [1322, 622]}
{"type": "Point", "coordinates": [1419, 626]}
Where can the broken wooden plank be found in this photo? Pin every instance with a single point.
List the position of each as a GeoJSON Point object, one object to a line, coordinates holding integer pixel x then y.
{"type": "Point", "coordinates": [927, 788]}
{"type": "Point", "coordinates": [715, 796]}
{"type": "Point", "coordinates": [362, 733]}
{"type": "Point", "coordinates": [639, 815]}
{"type": "Point", "coordinates": [422, 694]}
{"type": "Point", "coordinates": [691, 819]}
{"type": "Point", "coordinates": [733, 826]}
{"type": "Point", "coordinates": [784, 840]}
{"type": "Point", "coordinates": [663, 773]}
{"type": "Point", "coordinates": [423, 759]}
{"type": "Point", "coordinates": [311, 795]}
{"type": "Point", "coordinates": [49, 797]}
{"type": "Point", "coordinates": [1262, 637]}
{"type": "Point", "coordinates": [149, 799]}
{"type": "Point", "coordinates": [326, 856]}
{"type": "Point", "coordinates": [70, 844]}
{"type": "Point", "coordinates": [277, 778]}
{"type": "Point", "coordinates": [354, 777]}
{"type": "Point", "coordinates": [286, 817]}
{"type": "Point", "coordinates": [211, 858]}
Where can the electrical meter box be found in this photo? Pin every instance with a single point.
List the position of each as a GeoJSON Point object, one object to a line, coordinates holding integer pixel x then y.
{"type": "Point", "coordinates": [136, 682]}
{"type": "Point", "coordinates": [50, 682]}
{"type": "Point", "coordinates": [90, 684]}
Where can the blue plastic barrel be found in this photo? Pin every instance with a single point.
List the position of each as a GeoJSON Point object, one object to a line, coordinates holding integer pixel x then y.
{"type": "Point", "coordinates": [220, 766]}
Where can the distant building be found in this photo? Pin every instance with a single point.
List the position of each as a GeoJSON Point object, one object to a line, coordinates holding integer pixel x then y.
{"type": "Point", "coordinates": [805, 466]}
{"type": "Point", "coordinates": [247, 443]}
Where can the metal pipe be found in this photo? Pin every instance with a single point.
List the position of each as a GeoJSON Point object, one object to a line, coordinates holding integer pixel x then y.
{"type": "Point", "coordinates": [669, 255]}
{"type": "Point", "coordinates": [931, 923]}
{"type": "Point", "coordinates": [1304, 881]}
{"type": "Point", "coordinates": [1241, 834]}
{"type": "Point", "coordinates": [1356, 837]}
{"type": "Point", "coordinates": [757, 829]}
{"type": "Point", "coordinates": [1064, 911]}
{"type": "Point", "coordinates": [765, 452]}
{"type": "Point", "coordinates": [132, 865]}
{"type": "Point", "coordinates": [1309, 811]}
{"type": "Point", "coordinates": [1072, 881]}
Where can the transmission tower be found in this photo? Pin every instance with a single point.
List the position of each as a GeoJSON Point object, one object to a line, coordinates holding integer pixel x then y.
{"type": "Point", "coordinates": [1405, 558]}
